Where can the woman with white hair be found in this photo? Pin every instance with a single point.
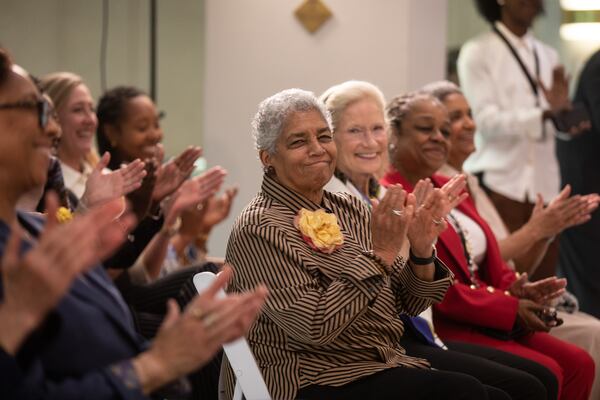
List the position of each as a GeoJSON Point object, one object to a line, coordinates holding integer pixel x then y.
{"type": "Point", "coordinates": [360, 132]}
{"type": "Point", "coordinates": [331, 326]}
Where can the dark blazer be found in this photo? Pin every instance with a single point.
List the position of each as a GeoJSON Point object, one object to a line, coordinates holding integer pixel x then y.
{"type": "Point", "coordinates": [580, 167]}
{"type": "Point", "coordinates": [75, 353]}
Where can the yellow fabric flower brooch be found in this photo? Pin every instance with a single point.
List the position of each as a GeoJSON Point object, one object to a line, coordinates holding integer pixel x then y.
{"type": "Point", "coordinates": [63, 215]}
{"type": "Point", "coordinates": [319, 229]}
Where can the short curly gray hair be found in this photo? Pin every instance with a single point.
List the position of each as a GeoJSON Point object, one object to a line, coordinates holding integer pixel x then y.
{"type": "Point", "coordinates": [274, 111]}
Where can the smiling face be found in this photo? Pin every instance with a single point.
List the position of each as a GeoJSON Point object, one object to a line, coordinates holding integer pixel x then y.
{"type": "Point", "coordinates": [78, 122]}
{"type": "Point", "coordinates": [361, 138]}
{"type": "Point", "coordinates": [139, 133]}
{"type": "Point", "coordinates": [462, 129]}
{"type": "Point", "coordinates": [304, 159]}
{"type": "Point", "coordinates": [25, 148]}
{"type": "Point", "coordinates": [421, 145]}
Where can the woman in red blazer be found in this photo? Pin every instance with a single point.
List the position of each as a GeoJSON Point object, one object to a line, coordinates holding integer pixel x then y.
{"type": "Point", "coordinates": [488, 304]}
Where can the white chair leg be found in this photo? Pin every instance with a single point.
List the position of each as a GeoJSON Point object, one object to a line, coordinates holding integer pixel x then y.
{"type": "Point", "coordinates": [237, 393]}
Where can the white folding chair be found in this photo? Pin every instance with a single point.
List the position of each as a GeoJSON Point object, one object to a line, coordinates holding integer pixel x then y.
{"type": "Point", "coordinates": [249, 381]}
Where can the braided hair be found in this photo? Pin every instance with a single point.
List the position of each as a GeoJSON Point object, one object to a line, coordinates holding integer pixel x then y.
{"type": "Point", "coordinates": [397, 110]}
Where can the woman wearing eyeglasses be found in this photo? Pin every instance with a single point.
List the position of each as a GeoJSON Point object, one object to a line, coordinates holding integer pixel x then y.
{"type": "Point", "coordinates": [361, 136]}
{"type": "Point", "coordinates": [86, 347]}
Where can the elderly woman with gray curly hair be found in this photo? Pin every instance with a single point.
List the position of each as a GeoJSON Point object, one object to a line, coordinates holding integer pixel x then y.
{"type": "Point", "coordinates": [331, 326]}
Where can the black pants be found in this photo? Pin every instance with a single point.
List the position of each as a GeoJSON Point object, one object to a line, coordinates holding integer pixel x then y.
{"type": "Point", "coordinates": [520, 378]}
{"type": "Point", "coordinates": [511, 361]}
{"type": "Point", "coordinates": [403, 383]}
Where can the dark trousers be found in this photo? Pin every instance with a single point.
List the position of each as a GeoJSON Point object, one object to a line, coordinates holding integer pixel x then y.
{"type": "Point", "coordinates": [403, 383]}
{"type": "Point", "coordinates": [520, 378]}
{"type": "Point", "coordinates": [521, 382]}
{"type": "Point", "coordinates": [516, 214]}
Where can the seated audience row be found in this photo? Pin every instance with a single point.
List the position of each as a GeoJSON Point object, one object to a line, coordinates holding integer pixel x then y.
{"type": "Point", "coordinates": [384, 278]}
{"type": "Point", "coordinates": [74, 338]}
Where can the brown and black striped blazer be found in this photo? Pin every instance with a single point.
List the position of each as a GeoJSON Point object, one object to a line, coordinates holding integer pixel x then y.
{"type": "Point", "coordinates": [329, 318]}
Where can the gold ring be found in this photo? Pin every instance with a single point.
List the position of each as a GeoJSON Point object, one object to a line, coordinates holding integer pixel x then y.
{"type": "Point", "coordinates": [398, 212]}
{"type": "Point", "coordinates": [437, 221]}
{"type": "Point", "coordinates": [209, 320]}
{"type": "Point", "coordinates": [197, 312]}
{"type": "Point", "coordinates": [199, 206]}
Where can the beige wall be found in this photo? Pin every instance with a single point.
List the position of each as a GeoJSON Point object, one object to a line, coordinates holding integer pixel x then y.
{"type": "Point", "coordinates": [51, 35]}
{"type": "Point", "coordinates": [219, 58]}
{"type": "Point", "coordinates": [256, 48]}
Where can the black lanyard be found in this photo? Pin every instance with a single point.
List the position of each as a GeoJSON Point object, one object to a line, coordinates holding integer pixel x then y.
{"type": "Point", "coordinates": [533, 83]}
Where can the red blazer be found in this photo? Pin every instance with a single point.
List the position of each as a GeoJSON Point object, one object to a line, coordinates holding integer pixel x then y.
{"type": "Point", "coordinates": [465, 306]}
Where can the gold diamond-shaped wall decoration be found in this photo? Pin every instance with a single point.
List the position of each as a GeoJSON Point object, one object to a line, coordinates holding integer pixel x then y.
{"type": "Point", "coordinates": [312, 14]}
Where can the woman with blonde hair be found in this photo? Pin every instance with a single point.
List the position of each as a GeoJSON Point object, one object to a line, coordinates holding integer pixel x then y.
{"type": "Point", "coordinates": [84, 172]}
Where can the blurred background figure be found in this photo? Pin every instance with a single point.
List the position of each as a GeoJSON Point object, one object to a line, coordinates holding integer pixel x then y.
{"type": "Point", "coordinates": [515, 86]}
{"type": "Point", "coordinates": [580, 168]}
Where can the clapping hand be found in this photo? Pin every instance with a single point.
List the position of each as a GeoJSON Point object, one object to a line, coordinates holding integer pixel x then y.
{"type": "Point", "coordinates": [193, 192]}
{"type": "Point", "coordinates": [433, 205]}
{"type": "Point", "coordinates": [541, 291]}
{"type": "Point", "coordinates": [558, 99]}
{"type": "Point", "coordinates": [454, 190]}
{"type": "Point", "coordinates": [217, 208]}
{"type": "Point", "coordinates": [35, 283]}
{"type": "Point", "coordinates": [174, 172]}
{"type": "Point", "coordinates": [200, 220]}
{"type": "Point", "coordinates": [528, 314]}
{"type": "Point", "coordinates": [208, 319]}
{"type": "Point", "coordinates": [102, 187]}
{"type": "Point", "coordinates": [558, 94]}
{"type": "Point", "coordinates": [561, 213]}
{"type": "Point", "coordinates": [390, 221]}
{"type": "Point", "coordinates": [141, 198]}
{"type": "Point", "coordinates": [428, 221]}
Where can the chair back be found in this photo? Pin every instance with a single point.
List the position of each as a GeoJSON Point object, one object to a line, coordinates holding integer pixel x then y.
{"type": "Point", "coordinates": [249, 381]}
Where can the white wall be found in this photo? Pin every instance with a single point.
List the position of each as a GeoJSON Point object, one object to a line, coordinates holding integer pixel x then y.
{"type": "Point", "coordinates": [256, 48]}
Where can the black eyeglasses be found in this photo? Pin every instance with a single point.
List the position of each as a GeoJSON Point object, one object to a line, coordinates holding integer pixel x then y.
{"type": "Point", "coordinates": [43, 108]}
